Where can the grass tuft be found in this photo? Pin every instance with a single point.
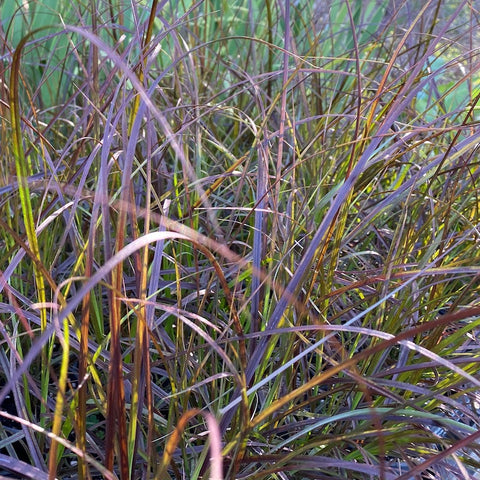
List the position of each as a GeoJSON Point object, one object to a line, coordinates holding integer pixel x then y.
{"type": "Point", "coordinates": [239, 240]}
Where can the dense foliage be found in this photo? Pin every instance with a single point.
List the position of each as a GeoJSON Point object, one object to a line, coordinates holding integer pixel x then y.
{"type": "Point", "coordinates": [239, 239]}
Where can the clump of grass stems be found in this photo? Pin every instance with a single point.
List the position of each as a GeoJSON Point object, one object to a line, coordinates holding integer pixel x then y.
{"type": "Point", "coordinates": [239, 240]}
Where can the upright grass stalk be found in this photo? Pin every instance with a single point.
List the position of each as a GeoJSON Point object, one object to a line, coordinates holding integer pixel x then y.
{"type": "Point", "coordinates": [141, 366]}
{"type": "Point", "coordinates": [116, 430]}
{"type": "Point", "coordinates": [24, 170]}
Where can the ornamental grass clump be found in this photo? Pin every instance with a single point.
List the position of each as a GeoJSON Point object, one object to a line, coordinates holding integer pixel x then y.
{"type": "Point", "coordinates": [239, 240]}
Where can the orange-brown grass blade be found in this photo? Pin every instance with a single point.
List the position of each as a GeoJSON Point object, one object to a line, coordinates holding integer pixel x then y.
{"type": "Point", "coordinates": [216, 470]}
